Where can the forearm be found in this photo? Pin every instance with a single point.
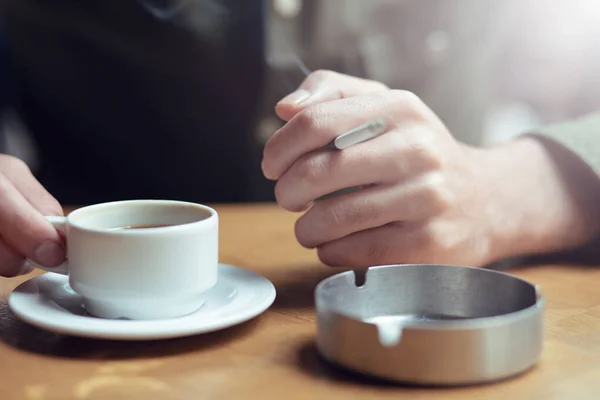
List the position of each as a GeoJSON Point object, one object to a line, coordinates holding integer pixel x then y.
{"type": "Point", "coordinates": [581, 136]}
{"type": "Point", "coordinates": [543, 198]}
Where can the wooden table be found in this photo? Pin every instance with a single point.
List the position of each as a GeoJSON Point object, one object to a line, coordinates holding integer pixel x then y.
{"type": "Point", "coordinates": [273, 356]}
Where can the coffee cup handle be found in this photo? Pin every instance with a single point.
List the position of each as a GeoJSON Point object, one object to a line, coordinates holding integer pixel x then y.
{"type": "Point", "coordinates": [60, 224]}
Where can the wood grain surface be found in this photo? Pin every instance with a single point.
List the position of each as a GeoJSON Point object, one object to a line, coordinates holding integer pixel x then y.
{"type": "Point", "coordinates": [273, 356]}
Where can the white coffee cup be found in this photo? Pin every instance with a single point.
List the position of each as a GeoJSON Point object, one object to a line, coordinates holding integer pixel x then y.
{"type": "Point", "coordinates": [123, 268]}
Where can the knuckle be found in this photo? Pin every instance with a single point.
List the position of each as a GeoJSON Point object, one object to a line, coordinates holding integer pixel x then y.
{"type": "Point", "coordinates": [312, 167]}
{"type": "Point", "coordinates": [397, 164]}
{"type": "Point", "coordinates": [409, 103]}
{"type": "Point", "coordinates": [357, 214]}
{"type": "Point", "coordinates": [437, 240]}
{"type": "Point", "coordinates": [413, 101]}
{"type": "Point", "coordinates": [353, 214]}
{"type": "Point", "coordinates": [311, 118]}
{"type": "Point", "coordinates": [417, 154]}
{"type": "Point", "coordinates": [376, 252]}
{"type": "Point", "coordinates": [411, 97]}
{"type": "Point", "coordinates": [438, 194]}
{"type": "Point", "coordinates": [322, 74]}
{"type": "Point", "coordinates": [404, 96]}
{"type": "Point", "coordinates": [428, 156]}
{"type": "Point", "coordinates": [440, 201]}
{"type": "Point", "coordinates": [305, 120]}
{"type": "Point", "coordinates": [332, 217]}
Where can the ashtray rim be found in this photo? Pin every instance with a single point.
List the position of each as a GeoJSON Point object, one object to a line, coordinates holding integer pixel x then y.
{"type": "Point", "coordinates": [450, 324]}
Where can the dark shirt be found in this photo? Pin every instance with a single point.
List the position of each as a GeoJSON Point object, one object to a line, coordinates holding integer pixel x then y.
{"type": "Point", "coordinates": [6, 82]}
{"type": "Point", "coordinates": [125, 104]}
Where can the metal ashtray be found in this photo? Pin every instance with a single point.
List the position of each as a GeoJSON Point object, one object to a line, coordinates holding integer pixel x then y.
{"type": "Point", "coordinates": [430, 324]}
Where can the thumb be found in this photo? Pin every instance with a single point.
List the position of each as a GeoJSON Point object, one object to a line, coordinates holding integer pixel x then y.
{"type": "Point", "coordinates": [322, 86]}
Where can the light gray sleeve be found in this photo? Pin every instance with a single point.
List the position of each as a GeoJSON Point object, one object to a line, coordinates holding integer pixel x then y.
{"type": "Point", "coordinates": [581, 136]}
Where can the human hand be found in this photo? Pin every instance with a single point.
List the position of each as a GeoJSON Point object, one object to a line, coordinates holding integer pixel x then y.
{"type": "Point", "coordinates": [425, 197]}
{"type": "Point", "coordinates": [24, 231]}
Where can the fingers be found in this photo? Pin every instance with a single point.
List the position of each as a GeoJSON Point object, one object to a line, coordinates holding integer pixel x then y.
{"type": "Point", "coordinates": [389, 244]}
{"type": "Point", "coordinates": [392, 158]}
{"type": "Point", "coordinates": [318, 125]}
{"type": "Point", "coordinates": [337, 217]}
{"type": "Point", "coordinates": [25, 229]}
{"type": "Point", "coordinates": [321, 86]}
{"type": "Point", "coordinates": [12, 263]}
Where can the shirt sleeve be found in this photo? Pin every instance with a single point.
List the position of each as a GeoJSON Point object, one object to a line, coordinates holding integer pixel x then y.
{"type": "Point", "coordinates": [581, 136]}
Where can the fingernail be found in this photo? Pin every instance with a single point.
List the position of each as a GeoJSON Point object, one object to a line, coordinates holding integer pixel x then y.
{"type": "Point", "coordinates": [266, 173]}
{"type": "Point", "coordinates": [49, 254]}
{"type": "Point", "coordinates": [297, 97]}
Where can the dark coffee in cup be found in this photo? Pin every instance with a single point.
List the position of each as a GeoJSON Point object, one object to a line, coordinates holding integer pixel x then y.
{"type": "Point", "coordinates": [147, 226]}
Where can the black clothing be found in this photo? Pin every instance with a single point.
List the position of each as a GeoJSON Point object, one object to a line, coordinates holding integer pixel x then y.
{"type": "Point", "coordinates": [124, 104]}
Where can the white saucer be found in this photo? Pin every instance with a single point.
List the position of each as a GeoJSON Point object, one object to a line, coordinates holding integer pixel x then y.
{"type": "Point", "coordinates": [48, 302]}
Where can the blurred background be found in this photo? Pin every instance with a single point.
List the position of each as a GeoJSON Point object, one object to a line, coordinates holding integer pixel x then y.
{"type": "Point", "coordinates": [113, 99]}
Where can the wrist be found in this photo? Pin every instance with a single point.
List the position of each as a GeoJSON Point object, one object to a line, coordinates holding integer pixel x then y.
{"type": "Point", "coordinates": [541, 198]}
